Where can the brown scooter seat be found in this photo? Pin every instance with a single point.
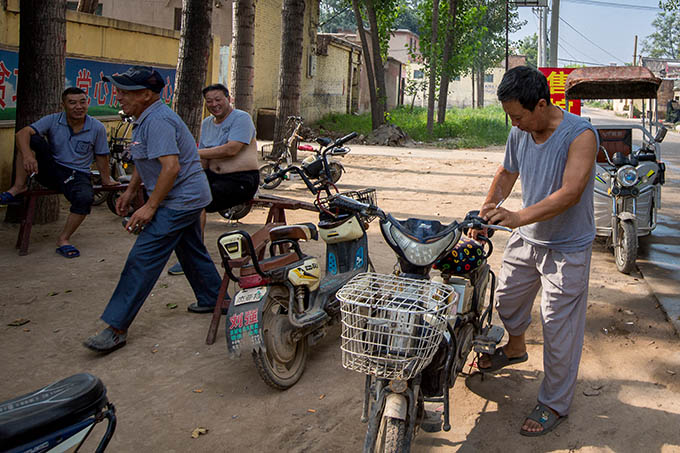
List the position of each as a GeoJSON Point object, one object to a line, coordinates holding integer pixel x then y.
{"type": "Point", "coordinates": [270, 263]}
{"type": "Point", "coordinates": [300, 231]}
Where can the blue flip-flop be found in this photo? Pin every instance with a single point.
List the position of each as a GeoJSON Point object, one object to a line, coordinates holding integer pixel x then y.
{"type": "Point", "coordinates": [68, 251]}
{"type": "Point", "coordinates": [7, 198]}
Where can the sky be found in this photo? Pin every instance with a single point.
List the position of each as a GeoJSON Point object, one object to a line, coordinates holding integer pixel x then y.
{"type": "Point", "coordinates": [605, 33]}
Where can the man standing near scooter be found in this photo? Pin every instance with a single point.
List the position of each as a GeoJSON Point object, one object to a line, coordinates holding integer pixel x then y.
{"type": "Point", "coordinates": [553, 153]}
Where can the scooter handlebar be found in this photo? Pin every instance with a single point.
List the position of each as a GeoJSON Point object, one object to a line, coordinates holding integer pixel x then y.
{"type": "Point", "coordinates": [342, 140]}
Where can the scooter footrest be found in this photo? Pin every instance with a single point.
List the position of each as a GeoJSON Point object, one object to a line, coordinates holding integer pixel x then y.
{"type": "Point", "coordinates": [486, 343]}
{"type": "Point", "coordinates": [309, 318]}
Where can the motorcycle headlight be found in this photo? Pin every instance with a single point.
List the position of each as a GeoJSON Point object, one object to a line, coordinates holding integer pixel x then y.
{"type": "Point", "coordinates": [627, 176]}
{"type": "Point", "coordinates": [421, 254]}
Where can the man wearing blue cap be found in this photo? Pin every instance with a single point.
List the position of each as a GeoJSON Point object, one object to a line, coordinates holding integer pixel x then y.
{"type": "Point", "coordinates": [167, 162]}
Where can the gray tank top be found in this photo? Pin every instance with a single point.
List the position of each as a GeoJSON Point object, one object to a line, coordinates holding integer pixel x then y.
{"type": "Point", "coordinates": [540, 169]}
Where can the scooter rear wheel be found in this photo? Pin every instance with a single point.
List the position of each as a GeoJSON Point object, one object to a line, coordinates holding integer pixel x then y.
{"type": "Point", "coordinates": [236, 212]}
{"type": "Point", "coordinates": [282, 363]}
{"type": "Point", "coordinates": [266, 170]}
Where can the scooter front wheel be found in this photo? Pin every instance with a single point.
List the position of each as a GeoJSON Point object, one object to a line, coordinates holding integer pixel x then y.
{"type": "Point", "coordinates": [282, 362]}
{"type": "Point", "coordinates": [336, 171]}
{"type": "Point", "coordinates": [391, 436]}
{"type": "Point", "coordinates": [625, 250]}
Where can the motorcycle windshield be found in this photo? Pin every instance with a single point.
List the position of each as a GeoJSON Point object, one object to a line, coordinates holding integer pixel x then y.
{"type": "Point", "coordinates": [419, 241]}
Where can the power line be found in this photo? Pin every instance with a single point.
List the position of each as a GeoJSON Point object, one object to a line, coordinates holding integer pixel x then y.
{"type": "Point", "coordinates": [590, 41]}
{"type": "Point", "coordinates": [615, 5]}
{"type": "Point", "coordinates": [579, 62]}
{"type": "Point", "coordinates": [562, 40]}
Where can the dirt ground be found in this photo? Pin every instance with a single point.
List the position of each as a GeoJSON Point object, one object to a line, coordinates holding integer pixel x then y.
{"type": "Point", "coordinates": [167, 381]}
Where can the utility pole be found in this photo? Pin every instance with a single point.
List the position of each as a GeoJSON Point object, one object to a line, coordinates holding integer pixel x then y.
{"type": "Point", "coordinates": [631, 111]}
{"type": "Point", "coordinates": [544, 18]}
{"type": "Point", "coordinates": [554, 29]}
{"type": "Point", "coordinates": [542, 15]}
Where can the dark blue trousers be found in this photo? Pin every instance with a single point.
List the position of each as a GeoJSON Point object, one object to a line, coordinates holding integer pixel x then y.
{"type": "Point", "coordinates": [169, 230]}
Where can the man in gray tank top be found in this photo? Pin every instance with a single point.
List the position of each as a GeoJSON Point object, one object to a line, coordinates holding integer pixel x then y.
{"type": "Point", "coordinates": [553, 153]}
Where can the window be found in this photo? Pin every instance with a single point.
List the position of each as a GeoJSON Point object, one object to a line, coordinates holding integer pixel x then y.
{"type": "Point", "coordinates": [456, 79]}
{"type": "Point", "coordinates": [178, 19]}
{"type": "Point", "coordinates": [488, 78]}
{"type": "Point", "coordinates": [73, 6]}
{"type": "Point", "coordinates": [418, 74]}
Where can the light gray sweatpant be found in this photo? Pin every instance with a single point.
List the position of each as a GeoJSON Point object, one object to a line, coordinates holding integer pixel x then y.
{"type": "Point", "coordinates": [563, 278]}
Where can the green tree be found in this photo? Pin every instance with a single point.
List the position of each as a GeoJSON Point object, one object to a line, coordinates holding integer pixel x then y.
{"type": "Point", "coordinates": [337, 15]}
{"type": "Point", "coordinates": [669, 4]}
{"type": "Point", "coordinates": [529, 47]}
{"type": "Point", "coordinates": [665, 41]}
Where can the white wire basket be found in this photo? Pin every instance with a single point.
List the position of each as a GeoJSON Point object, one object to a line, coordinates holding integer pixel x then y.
{"type": "Point", "coordinates": [392, 326]}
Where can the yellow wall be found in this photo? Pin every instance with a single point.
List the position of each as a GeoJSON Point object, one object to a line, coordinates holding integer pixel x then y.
{"type": "Point", "coordinates": [95, 37]}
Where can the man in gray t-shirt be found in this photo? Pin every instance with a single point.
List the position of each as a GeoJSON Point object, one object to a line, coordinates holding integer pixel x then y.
{"type": "Point", "coordinates": [553, 153]}
{"type": "Point", "coordinates": [228, 151]}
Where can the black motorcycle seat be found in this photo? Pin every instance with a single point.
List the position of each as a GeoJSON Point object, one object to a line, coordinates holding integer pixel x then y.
{"type": "Point", "coordinates": [51, 408]}
{"type": "Point", "coordinates": [324, 141]}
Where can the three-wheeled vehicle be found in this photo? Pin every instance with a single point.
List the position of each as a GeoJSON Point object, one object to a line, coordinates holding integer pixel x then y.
{"type": "Point", "coordinates": [628, 178]}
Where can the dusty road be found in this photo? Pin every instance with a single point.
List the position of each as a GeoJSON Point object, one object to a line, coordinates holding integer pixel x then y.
{"type": "Point", "coordinates": [166, 381]}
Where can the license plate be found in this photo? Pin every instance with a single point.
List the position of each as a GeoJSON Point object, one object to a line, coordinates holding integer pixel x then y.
{"type": "Point", "coordinates": [249, 295]}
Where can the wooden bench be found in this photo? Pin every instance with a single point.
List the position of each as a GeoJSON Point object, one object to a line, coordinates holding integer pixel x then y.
{"type": "Point", "coordinates": [28, 213]}
{"type": "Point", "coordinates": [275, 217]}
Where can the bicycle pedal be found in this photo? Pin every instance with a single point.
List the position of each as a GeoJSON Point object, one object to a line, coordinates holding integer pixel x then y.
{"type": "Point", "coordinates": [486, 343]}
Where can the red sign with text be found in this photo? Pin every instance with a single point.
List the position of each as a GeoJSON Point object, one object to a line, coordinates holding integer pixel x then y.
{"type": "Point", "coordinates": [557, 79]}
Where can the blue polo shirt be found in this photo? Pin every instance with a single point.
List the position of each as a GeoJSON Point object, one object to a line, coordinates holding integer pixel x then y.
{"type": "Point", "coordinates": [74, 151]}
{"type": "Point", "coordinates": [161, 132]}
{"type": "Point", "coordinates": [237, 126]}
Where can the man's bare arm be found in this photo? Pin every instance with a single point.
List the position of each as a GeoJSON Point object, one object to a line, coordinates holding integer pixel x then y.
{"type": "Point", "coordinates": [500, 189]}
{"type": "Point", "coordinates": [577, 173]}
{"type": "Point", "coordinates": [102, 162]}
{"type": "Point", "coordinates": [229, 149]}
{"type": "Point", "coordinates": [23, 140]}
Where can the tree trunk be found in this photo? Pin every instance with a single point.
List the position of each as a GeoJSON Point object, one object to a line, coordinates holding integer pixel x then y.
{"type": "Point", "coordinates": [290, 67]}
{"type": "Point", "coordinates": [378, 66]}
{"type": "Point", "coordinates": [192, 64]}
{"type": "Point", "coordinates": [244, 55]}
{"type": "Point", "coordinates": [87, 6]}
{"type": "Point", "coordinates": [472, 77]}
{"type": "Point", "coordinates": [42, 49]}
{"type": "Point", "coordinates": [446, 57]}
{"type": "Point", "coordinates": [376, 116]}
{"type": "Point", "coordinates": [433, 66]}
{"type": "Point", "coordinates": [480, 88]}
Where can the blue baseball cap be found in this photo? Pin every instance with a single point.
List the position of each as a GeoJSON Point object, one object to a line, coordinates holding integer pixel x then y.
{"type": "Point", "coordinates": [137, 78]}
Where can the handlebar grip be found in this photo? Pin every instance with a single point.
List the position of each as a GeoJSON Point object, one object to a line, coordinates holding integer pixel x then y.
{"type": "Point", "coordinates": [345, 139]}
{"type": "Point", "coordinates": [350, 204]}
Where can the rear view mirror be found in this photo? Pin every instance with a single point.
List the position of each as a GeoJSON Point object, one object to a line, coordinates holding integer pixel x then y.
{"type": "Point", "coordinates": [660, 134]}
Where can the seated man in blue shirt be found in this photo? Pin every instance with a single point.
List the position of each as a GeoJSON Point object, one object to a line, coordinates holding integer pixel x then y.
{"type": "Point", "coordinates": [228, 151]}
{"type": "Point", "coordinates": [63, 164]}
{"type": "Point", "coordinates": [167, 162]}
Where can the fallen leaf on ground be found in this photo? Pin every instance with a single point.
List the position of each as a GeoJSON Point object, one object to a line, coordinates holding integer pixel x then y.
{"type": "Point", "coordinates": [198, 431]}
{"type": "Point", "coordinates": [53, 293]}
{"type": "Point", "coordinates": [153, 351]}
{"type": "Point", "coordinates": [629, 312]}
{"type": "Point", "coordinates": [26, 329]}
{"type": "Point", "coordinates": [322, 396]}
{"type": "Point", "coordinates": [68, 291]}
{"type": "Point", "coordinates": [311, 411]}
{"type": "Point", "coordinates": [198, 390]}
{"type": "Point", "coordinates": [171, 305]}
{"type": "Point", "coordinates": [671, 372]}
{"type": "Point", "coordinates": [19, 322]}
